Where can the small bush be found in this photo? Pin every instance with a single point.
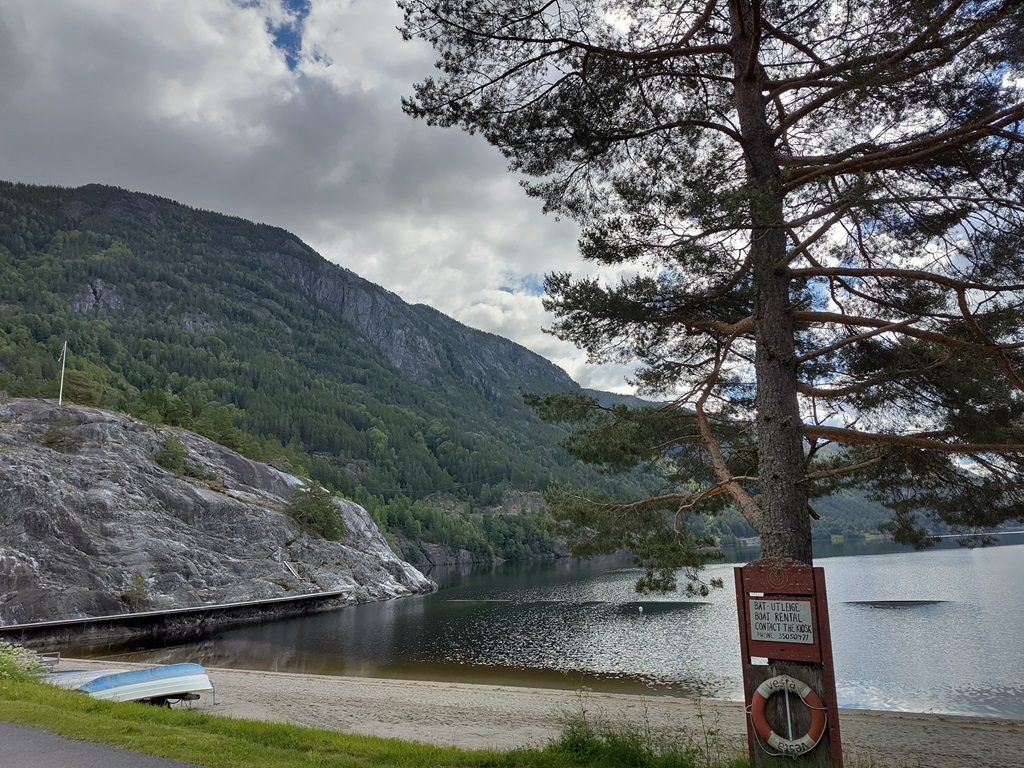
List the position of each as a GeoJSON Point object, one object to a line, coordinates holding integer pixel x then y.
{"type": "Point", "coordinates": [194, 469]}
{"type": "Point", "coordinates": [282, 463]}
{"type": "Point", "coordinates": [18, 662]}
{"type": "Point", "coordinates": [599, 745]}
{"type": "Point", "coordinates": [313, 508]}
{"type": "Point", "coordinates": [137, 593]}
{"type": "Point", "coordinates": [578, 739]}
{"type": "Point", "coordinates": [173, 457]}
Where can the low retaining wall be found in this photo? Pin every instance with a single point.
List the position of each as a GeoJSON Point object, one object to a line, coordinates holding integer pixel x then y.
{"type": "Point", "coordinates": [178, 624]}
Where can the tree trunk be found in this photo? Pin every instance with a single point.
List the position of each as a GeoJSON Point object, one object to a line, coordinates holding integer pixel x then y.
{"type": "Point", "coordinates": [784, 526]}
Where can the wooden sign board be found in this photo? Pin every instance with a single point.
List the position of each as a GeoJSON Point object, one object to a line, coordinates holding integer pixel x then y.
{"type": "Point", "coordinates": [781, 620]}
{"type": "Point", "coordinates": [783, 617]}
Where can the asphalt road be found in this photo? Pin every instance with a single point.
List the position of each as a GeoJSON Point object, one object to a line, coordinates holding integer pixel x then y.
{"type": "Point", "coordinates": [22, 747]}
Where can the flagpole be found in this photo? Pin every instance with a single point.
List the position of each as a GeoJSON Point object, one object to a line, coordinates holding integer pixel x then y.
{"type": "Point", "coordinates": [63, 362]}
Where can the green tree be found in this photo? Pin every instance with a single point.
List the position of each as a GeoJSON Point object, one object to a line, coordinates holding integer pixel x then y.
{"type": "Point", "coordinates": [172, 455]}
{"type": "Point", "coordinates": [313, 508]}
{"type": "Point", "coordinates": [80, 387]}
{"type": "Point", "coordinates": [817, 207]}
{"type": "Point", "coordinates": [137, 593]}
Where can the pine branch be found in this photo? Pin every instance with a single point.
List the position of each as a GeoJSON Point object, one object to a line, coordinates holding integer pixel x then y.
{"type": "Point", "coordinates": [924, 441]}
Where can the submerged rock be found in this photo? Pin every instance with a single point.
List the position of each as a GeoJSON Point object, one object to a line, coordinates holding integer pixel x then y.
{"type": "Point", "coordinates": [91, 525]}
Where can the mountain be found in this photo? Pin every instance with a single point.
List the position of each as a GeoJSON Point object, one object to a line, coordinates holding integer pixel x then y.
{"type": "Point", "coordinates": [93, 524]}
{"type": "Point", "coordinates": [246, 335]}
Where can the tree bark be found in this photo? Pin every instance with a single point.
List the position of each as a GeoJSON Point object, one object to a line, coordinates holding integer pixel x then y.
{"type": "Point", "coordinates": [784, 525]}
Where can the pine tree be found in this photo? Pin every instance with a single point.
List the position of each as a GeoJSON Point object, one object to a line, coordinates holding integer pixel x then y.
{"type": "Point", "coordinates": [818, 209]}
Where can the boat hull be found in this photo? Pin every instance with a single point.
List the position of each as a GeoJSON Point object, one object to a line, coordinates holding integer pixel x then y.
{"type": "Point", "coordinates": [167, 682]}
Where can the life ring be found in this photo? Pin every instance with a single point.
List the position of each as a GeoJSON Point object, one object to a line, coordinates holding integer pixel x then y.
{"type": "Point", "coordinates": [818, 720]}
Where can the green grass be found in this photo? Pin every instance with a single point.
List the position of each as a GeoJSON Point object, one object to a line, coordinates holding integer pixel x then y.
{"type": "Point", "coordinates": [223, 742]}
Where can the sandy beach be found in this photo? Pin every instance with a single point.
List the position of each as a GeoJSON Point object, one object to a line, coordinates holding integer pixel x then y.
{"type": "Point", "coordinates": [506, 717]}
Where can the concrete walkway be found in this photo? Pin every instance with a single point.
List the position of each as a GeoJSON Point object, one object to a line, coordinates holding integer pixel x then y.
{"type": "Point", "coordinates": [23, 747]}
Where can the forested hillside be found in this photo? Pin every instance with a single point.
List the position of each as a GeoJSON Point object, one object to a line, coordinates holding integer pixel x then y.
{"type": "Point", "coordinates": [244, 334]}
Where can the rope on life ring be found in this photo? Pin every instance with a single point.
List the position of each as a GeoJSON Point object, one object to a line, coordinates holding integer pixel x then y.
{"type": "Point", "coordinates": [818, 719]}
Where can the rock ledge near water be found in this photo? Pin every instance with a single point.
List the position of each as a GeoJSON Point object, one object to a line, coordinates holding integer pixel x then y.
{"type": "Point", "coordinates": [102, 529]}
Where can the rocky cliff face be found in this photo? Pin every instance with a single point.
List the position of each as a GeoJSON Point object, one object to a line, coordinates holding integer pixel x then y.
{"type": "Point", "coordinates": [91, 525]}
{"type": "Point", "coordinates": [417, 340]}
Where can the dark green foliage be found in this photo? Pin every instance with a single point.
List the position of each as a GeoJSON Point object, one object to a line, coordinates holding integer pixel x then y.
{"type": "Point", "coordinates": [483, 534]}
{"type": "Point", "coordinates": [159, 406]}
{"type": "Point", "coordinates": [62, 435]}
{"type": "Point", "coordinates": [619, 437]}
{"type": "Point", "coordinates": [313, 508]}
{"type": "Point", "coordinates": [656, 528]}
{"type": "Point", "coordinates": [81, 388]}
{"type": "Point", "coordinates": [597, 744]}
{"type": "Point", "coordinates": [661, 543]}
{"type": "Point", "coordinates": [137, 593]}
{"type": "Point", "coordinates": [813, 217]}
{"type": "Point", "coordinates": [172, 455]}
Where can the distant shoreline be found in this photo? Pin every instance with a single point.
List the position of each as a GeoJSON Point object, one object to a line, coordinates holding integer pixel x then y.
{"type": "Point", "coordinates": [474, 716]}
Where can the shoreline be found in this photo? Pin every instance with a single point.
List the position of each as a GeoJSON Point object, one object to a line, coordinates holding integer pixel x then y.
{"type": "Point", "coordinates": [473, 716]}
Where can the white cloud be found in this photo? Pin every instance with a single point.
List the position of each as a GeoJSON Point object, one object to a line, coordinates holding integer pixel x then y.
{"type": "Point", "coordinates": [190, 99]}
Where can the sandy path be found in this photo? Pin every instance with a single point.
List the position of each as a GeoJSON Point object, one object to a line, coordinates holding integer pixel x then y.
{"type": "Point", "coordinates": [505, 717]}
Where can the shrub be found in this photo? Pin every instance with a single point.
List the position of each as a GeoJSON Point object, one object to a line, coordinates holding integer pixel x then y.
{"type": "Point", "coordinates": [172, 455]}
{"type": "Point", "coordinates": [599, 744]}
{"type": "Point", "coordinates": [18, 662]}
{"type": "Point", "coordinates": [313, 508]}
{"type": "Point", "coordinates": [137, 593]}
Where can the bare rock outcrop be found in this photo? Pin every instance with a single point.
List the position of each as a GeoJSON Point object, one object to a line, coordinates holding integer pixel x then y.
{"type": "Point", "coordinates": [91, 525]}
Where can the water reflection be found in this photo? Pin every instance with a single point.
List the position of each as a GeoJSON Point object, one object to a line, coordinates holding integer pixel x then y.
{"type": "Point", "coordinates": [953, 645]}
{"type": "Point", "coordinates": [957, 651]}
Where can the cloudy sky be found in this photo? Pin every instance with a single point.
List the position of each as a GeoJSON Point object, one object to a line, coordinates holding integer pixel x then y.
{"type": "Point", "coordinates": [285, 112]}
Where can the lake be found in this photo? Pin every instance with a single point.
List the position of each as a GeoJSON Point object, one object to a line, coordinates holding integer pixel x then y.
{"type": "Point", "coordinates": [571, 624]}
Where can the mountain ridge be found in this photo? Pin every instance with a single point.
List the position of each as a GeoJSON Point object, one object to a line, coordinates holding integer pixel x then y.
{"type": "Point", "coordinates": [323, 281]}
{"type": "Point", "coordinates": [246, 334]}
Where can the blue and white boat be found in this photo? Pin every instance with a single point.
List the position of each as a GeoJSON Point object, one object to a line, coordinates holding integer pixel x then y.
{"type": "Point", "coordinates": [158, 684]}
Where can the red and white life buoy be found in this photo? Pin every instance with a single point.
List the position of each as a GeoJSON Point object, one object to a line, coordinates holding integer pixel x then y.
{"type": "Point", "coordinates": [788, 746]}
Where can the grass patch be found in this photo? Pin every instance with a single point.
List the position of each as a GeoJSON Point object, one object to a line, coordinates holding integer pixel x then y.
{"type": "Point", "coordinates": [594, 742]}
{"type": "Point", "coordinates": [223, 742]}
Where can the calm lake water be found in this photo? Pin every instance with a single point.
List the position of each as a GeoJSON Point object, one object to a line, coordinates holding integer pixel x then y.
{"type": "Point", "coordinates": [570, 624]}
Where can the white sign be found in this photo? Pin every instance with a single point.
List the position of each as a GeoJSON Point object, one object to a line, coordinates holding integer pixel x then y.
{"type": "Point", "coordinates": [781, 621]}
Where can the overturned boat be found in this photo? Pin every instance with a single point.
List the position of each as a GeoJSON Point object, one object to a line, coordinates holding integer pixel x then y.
{"type": "Point", "coordinates": [159, 685]}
